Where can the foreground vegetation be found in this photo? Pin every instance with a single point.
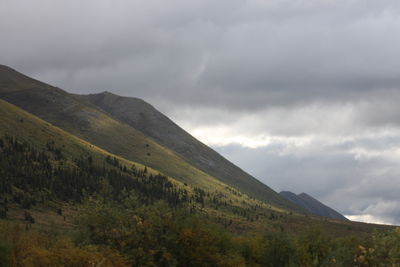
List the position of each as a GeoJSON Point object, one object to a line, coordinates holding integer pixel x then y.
{"type": "Point", "coordinates": [128, 233]}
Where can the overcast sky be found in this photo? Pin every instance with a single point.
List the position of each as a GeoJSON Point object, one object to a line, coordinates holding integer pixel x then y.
{"type": "Point", "coordinates": [302, 94]}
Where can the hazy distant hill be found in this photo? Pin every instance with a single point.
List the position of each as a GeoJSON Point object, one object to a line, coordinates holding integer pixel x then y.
{"type": "Point", "coordinates": [132, 129]}
{"type": "Point", "coordinates": [312, 205]}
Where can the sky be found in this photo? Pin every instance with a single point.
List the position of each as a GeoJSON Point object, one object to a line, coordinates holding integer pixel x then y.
{"type": "Point", "coordinates": [302, 94]}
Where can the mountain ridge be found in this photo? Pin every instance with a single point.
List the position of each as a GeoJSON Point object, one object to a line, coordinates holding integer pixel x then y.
{"type": "Point", "coordinates": [88, 122]}
{"type": "Point", "coordinates": [312, 205]}
{"type": "Point", "coordinates": [145, 118]}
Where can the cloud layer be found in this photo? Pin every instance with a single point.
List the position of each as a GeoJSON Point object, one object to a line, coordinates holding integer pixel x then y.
{"type": "Point", "coordinates": [303, 93]}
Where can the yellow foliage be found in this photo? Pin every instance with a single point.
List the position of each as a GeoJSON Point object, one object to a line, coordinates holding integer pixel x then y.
{"type": "Point", "coordinates": [34, 249]}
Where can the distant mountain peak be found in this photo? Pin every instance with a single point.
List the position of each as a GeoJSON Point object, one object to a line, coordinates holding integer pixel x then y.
{"type": "Point", "coordinates": [312, 205]}
{"type": "Point", "coordinates": [107, 93]}
{"type": "Point", "coordinates": [108, 97]}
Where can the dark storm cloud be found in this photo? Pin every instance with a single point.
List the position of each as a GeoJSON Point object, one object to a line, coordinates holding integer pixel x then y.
{"type": "Point", "coordinates": [307, 90]}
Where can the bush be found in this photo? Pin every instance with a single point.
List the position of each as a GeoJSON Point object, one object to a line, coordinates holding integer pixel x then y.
{"type": "Point", "coordinates": [156, 235]}
{"type": "Point", "coordinates": [280, 251]}
{"type": "Point", "coordinates": [5, 253]}
{"type": "Point", "coordinates": [33, 248]}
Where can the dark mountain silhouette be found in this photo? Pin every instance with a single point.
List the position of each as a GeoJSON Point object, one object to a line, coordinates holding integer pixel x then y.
{"type": "Point", "coordinates": [312, 205]}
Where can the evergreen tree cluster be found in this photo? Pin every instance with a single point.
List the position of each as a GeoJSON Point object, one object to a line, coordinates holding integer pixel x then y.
{"type": "Point", "coordinates": [29, 176]}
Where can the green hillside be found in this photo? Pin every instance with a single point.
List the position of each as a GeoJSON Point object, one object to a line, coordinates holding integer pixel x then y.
{"type": "Point", "coordinates": [90, 123]}
{"type": "Point", "coordinates": [42, 136]}
{"type": "Point", "coordinates": [145, 118]}
{"type": "Point", "coordinates": [61, 109]}
{"type": "Point", "coordinates": [26, 127]}
{"type": "Point", "coordinates": [67, 152]}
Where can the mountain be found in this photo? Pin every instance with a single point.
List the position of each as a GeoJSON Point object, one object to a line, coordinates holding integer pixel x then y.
{"type": "Point", "coordinates": [44, 166]}
{"type": "Point", "coordinates": [142, 135]}
{"type": "Point", "coordinates": [145, 118]}
{"type": "Point", "coordinates": [67, 153]}
{"type": "Point", "coordinates": [312, 205]}
{"type": "Point", "coordinates": [41, 163]}
{"type": "Point", "coordinates": [27, 127]}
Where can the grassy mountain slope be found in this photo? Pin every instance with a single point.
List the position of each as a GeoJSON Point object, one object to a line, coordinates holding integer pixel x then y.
{"type": "Point", "coordinates": [24, 126]}
{"type": "Point", "coordinates": [220, 202]}
{"type": "Point", "coordinates": [145, 118]}
{"type": "Point", "coordinates": [90, 123]}
{"type": "Point", "coordinates": [63, 110]}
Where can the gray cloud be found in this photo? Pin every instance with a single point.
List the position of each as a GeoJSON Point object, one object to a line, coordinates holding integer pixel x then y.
{"type": "Point", "coordinates": [300, 92]}
{"type": "Point", "coordinates": [335, 176]}
{"type": "Point", "coordinates": [209, 52]}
